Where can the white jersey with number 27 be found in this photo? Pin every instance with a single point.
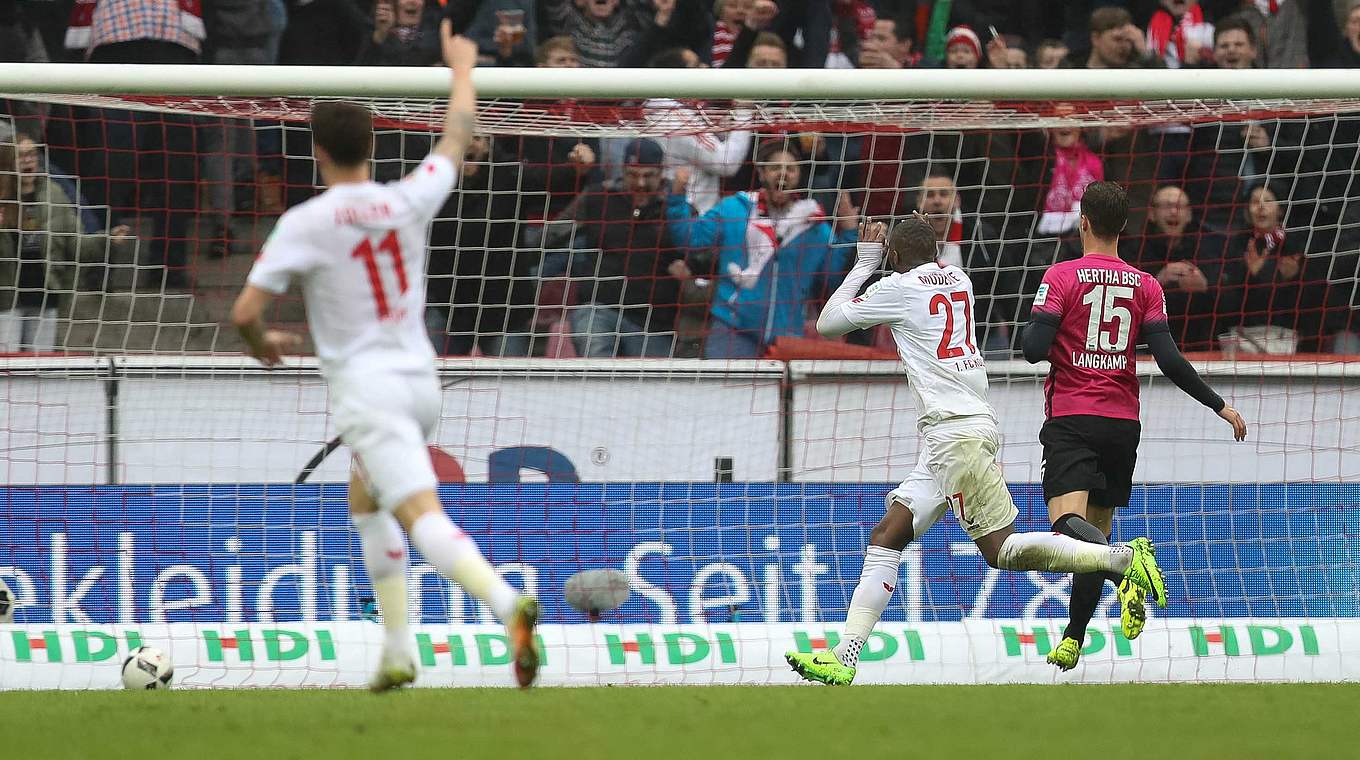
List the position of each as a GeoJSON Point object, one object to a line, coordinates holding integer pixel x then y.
{"type": "Point", "coordinates": [930, 312]}
{"type": "Point", "coordinates": [359, 250]}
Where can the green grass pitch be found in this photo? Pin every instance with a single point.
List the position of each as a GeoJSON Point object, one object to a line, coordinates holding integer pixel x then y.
{"type": "Point", "coordinates": [696, 723]}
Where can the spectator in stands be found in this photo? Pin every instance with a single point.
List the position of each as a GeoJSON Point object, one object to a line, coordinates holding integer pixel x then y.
{"type": "Point", "coordinates": [323, 32]}
{"type": "Point", "coordinates": [888, 47]}
{"type": "Point", "coordinates": [1336, 51]}
{"type": "Point", "coordinates": [971, 242]}
{"type": "Point", "coordinates": [241, 32]}
{"type": "Point", "coordinates": [852, 26]}
{"type": "Point", "coordinates": [405, 33]}
{"type": "Point", "coordinates": [1178, 33]}
{"type": "Point", "coordinates": [1227, 159]}
{"type": "Point", "coordinates": [505, 31]}
{"type": "Point", "coordinates": [775, 250]}
{"type": "Point", "coordinates": [480, 287]}
{"type": "Point", "coordinates": [610, 33]}
{"type": "Point", "coordinates": [963, 49]}
{"type": "Point", "coordinates": [21, 42]}
{"type": "Point", "coordinates": [1234, 44]}
{"type": "Point", "coordinates": [805, 27]}
{"type": "Point", "coordinates": [140, 174]}
{"type": "Point", "coordinates": [555, 169]}
{"type": "Point", "coordinates": [1186, 259]}
{"type": "Point", "coordinates": [629, 298]}
{"type": "Point", "coordinates": [20, 39]}
{"type": "Point", "coordinates": [1071, 166]}
{"type": "Point", "coordinates": [690, 141]}
{"type": "Point", "coordinates": [731, 17]}
{"type": "Point", "coordinates": [758, 51]}
{"type": "Point", "coordinates": [1051, 54]}
{"type": "Point", "coordinates": [755, 47]}
{"type": "Point", "coordinates": [1009, 53]}
{"type": "Point", "coordinates": [1117, 44]}
{"type": "Point", "coordinates": [40, 250]}
{"type": "Point", "coordinates": [1282, 31]}
{"type": "Point", "coordinates": [1268, 305]}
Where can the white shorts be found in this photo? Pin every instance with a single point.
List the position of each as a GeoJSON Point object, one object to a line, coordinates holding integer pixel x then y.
{"type": "Point", "coordinates": [957, 468]}
{"type": "Point", "coordinates": [386, 418]}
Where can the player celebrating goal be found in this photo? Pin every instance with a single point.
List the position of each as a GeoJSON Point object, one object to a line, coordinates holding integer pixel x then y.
{"type": "Point", "coordinates": [359, 250]}
{"type": "Point", "coordinates": [1088, 316]}
{"type": "Point", "coordinates": [929, 307]}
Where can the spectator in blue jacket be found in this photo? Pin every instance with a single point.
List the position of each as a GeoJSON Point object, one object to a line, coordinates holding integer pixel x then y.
{"type": "Point", "coordinates": [775, 251]}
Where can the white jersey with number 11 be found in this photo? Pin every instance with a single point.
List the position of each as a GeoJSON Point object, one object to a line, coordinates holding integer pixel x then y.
{"type": "Point", "coordinates": [359, 250]}
{"type": "Point", "coordinates": [930, 312]}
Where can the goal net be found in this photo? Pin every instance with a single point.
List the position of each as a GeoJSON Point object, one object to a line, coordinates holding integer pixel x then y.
{"type": "Point", "coordinates": [621, 391]}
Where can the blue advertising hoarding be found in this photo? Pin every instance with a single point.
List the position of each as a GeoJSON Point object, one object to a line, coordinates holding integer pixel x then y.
{"type": "Point", "coordinates": [701, 552]}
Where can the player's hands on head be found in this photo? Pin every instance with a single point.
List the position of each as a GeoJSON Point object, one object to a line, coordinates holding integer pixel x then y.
{"type": "Point", "coordinates": [273, 345]}
{"type": "Point", "coordinates": [873, 232]}
{"type": "Point", "coordinates": [1233, 418]}
{"type": "Point", "coordinates": [459, 51]}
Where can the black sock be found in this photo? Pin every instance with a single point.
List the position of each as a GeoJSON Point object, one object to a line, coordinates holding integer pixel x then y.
{"type": "Point", "coordinates": [1086, 587]}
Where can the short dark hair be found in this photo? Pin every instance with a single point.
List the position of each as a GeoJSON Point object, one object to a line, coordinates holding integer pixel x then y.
{"type": "Point", "coordinates": [913, 240]}
{"type": "Point", "coordinates": [1234, 23]}
{"type": "Point", "coordinates": [770, 39]}
{"type": "Point", "coordinates": [344, 130]}
{"type": "Point", "coordinates": [1106, 206]}
{"type": "Point", "coordinates": [903, 29]}
{"type": "Point", "coordinates": [1108, 17]}
{"type": "Point", "coordinates": [771, 147]}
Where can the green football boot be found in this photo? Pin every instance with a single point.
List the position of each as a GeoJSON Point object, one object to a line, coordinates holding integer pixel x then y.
{"type": "Point", "coordinates": [822, 667]}
{"type": "Point", "coordinates": [1144, 572]}
{"type": "Point", "coordinates": [1066, 655]}
{"type": "Point", "coordinates": [1132, 613]}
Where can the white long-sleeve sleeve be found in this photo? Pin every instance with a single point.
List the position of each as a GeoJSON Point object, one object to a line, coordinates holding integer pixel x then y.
{"type": "Point", "coordinates": [834, 321]}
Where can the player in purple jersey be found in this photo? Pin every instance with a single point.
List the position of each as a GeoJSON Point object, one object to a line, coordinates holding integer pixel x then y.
{"type": "Point", "coordinates": [1088, 317]}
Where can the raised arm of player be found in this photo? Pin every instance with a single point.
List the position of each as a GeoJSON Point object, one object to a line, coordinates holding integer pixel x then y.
{"type": "Point", "coordinates": [834, 319]}
{"type": "Point", "coordinates": [460, 118]}
{"type": "Point", "coordinates": [1178, 370]}
{"type": "Point", "coordinates": [247, 314]}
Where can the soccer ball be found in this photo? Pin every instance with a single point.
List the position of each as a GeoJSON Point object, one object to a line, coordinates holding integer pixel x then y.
{"type": "Point", "coordinates": [147, 668]}
{"type": "Point", "coordinates": [6, 604]}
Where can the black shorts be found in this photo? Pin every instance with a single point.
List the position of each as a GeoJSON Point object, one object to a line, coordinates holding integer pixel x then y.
{"type": "Point", "coordinates": [1088, 453]}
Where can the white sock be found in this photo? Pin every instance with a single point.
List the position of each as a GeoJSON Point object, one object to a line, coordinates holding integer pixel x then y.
{"type": "Point", "coordinates": [876, 583]}
{"type": "Point", "coordinates": [455, 555]}
{"type": "Point", "coordinates": [1061, 554]}
{"type": "Point", "coordinates": [385, 558]}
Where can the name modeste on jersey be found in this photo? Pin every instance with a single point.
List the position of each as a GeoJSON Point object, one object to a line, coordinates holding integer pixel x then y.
{"type": "Point", "coordinates": [930, 313]}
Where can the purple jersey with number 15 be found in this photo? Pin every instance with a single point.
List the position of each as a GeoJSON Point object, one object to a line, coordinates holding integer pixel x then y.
{"type": "Point", "coordinates": [1103, 305]}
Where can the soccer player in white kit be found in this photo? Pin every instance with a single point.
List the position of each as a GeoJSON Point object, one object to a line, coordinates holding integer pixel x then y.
{"type": "Point", "coordinates": [359, 251]}
{"type": "Point", "coordinates": [929, 306]}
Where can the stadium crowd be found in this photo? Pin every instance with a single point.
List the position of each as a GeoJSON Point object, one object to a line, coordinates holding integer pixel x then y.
{"type": "Point", "coordinates": [716, 243]}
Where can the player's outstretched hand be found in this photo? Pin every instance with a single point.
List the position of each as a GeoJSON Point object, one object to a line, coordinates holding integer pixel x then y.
{"type": "Point", "coordinates": [459, 51]}
{"type": "Point", "coordinates": [1239, 425]}
{"type": "Point", "coordinates": [274, 345]}
{"type": "Point", "coordinates": [872, 232]}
